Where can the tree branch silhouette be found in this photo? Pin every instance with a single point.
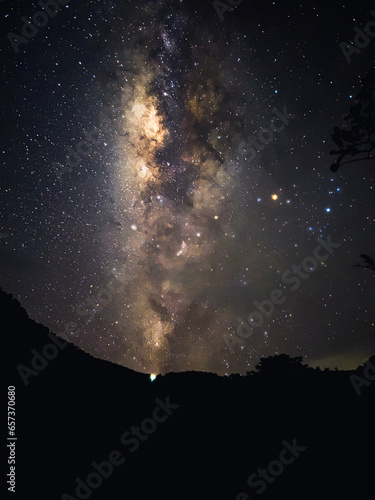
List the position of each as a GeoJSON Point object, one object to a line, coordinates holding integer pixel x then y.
{"type": "Point", "coordinates": [359, 139]}
{"type": "Point", "coordinates": [368, 263]}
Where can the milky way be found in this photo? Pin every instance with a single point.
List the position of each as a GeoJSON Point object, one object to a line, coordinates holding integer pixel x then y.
{"type": "Point", "coordinates": [175, 185]}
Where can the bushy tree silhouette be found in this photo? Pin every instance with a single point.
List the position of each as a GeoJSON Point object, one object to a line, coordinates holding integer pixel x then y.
{"type": "Point", "coordinates": [357, 138]}
{"type": "Point", "coordinates": [281, 364]}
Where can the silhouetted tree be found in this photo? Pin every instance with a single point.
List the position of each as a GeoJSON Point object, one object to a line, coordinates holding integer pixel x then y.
{"type": "Point", "coordinates": [357, 138]}
{"type": "Point", "coordinates": [280, 365]}
{"type": "Point", "coordinates": [367, 264]}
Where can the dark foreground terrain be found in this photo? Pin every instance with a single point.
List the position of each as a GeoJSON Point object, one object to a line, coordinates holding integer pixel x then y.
{"type": "Point", "coordinates": [87, 428]}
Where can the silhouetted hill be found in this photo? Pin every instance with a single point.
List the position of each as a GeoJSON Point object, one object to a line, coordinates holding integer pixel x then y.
{"type": "Point", "coordinates": [75, 409]}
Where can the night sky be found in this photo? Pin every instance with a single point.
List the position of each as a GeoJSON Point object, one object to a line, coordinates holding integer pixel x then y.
{"type": "Point", "coordinates": [137, 218]}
